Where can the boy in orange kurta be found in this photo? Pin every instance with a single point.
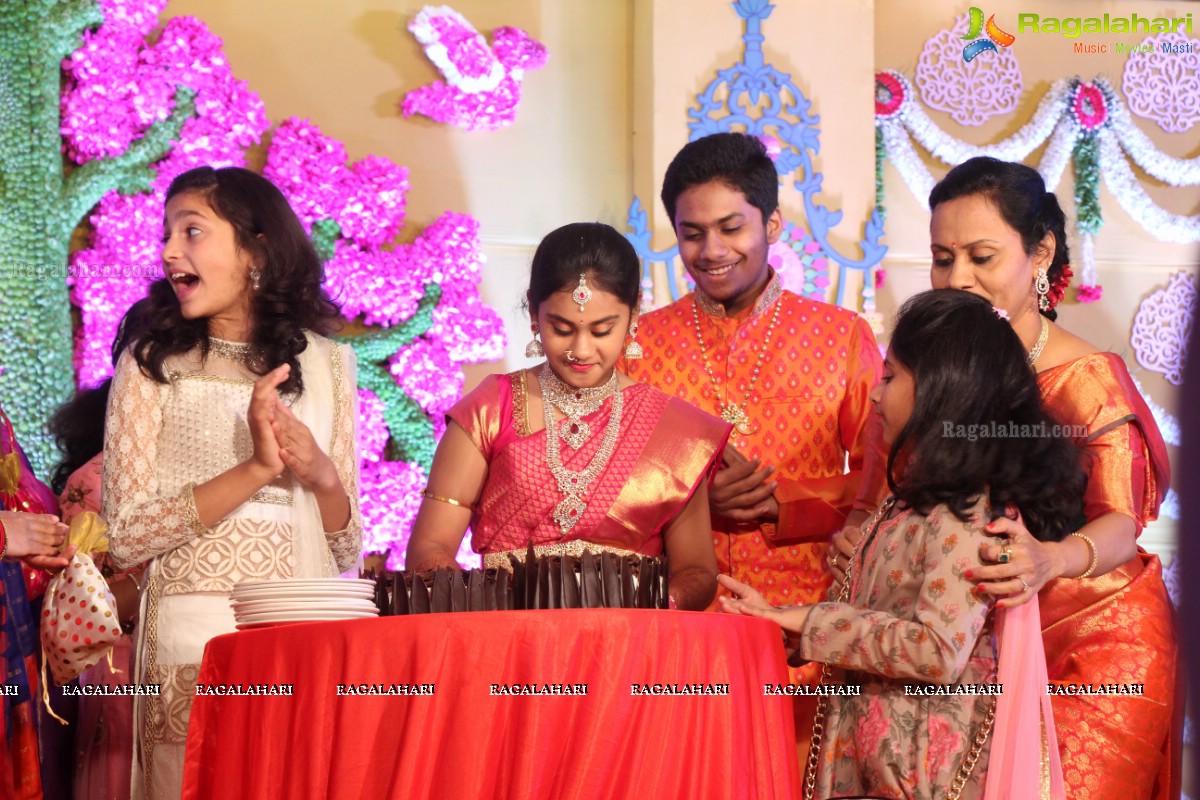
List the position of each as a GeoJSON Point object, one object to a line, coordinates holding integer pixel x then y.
{"type": "Point", "coordinates": [793, 375]}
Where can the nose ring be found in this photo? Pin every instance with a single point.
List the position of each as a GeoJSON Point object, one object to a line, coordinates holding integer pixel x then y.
{"type": "Point", "coordinates": [571, 358]}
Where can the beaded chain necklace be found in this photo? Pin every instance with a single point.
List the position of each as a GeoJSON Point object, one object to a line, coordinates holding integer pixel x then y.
{"type": "Point", "coordinates": [733, 414]}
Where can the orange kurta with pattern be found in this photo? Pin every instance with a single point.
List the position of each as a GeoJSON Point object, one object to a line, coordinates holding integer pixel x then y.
{"type": "Point", "coordinates": [810, 411]}
{"type": "Point", "coordinates": [1119, 627]}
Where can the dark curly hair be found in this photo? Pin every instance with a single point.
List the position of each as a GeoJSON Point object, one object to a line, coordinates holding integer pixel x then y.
{"type": "Point", "coordinates": [585, 247]}
{"type": "Point", "coordinates": [1019, 193]}
{"type": "Point", "coordinates": [971, 376]}
{"type": "Point", "coordinates": [738, 160]}
{"type": "Point", "coordinates": [290, 301]}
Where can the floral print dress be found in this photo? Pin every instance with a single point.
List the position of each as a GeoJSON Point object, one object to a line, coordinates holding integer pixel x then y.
{"type": "Point", "coordinates": [913, 622]}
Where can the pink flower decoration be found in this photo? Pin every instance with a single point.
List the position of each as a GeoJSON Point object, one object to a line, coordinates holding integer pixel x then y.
{"type": "Point", "coordinates": [1091, 110]}
{"type": "Point", "coordinates": [116, 86]}
{"type": "Point", "coordinates": [391, 498]}
{"type": "Point", "coordinates": [140, 16]}
{"type": "Point", "coordinates": [890, 93]}
{"type": "Point", "coordinates": [372, 430]}
{"type": "Point", "coordinates": [427, 374]}
{"type": "Point", "coordinates": [483, 85]}
{"type": "Point", "coordinates": [391, 493]}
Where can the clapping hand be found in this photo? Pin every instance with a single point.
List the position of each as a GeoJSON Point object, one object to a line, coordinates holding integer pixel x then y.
{"type": "Point", "coordinates": [300, 451]}
{"type": "Point", "coordinates": [261, 416]}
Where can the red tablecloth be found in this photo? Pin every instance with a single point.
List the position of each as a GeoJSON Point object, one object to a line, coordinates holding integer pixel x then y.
{"type": "Point", "coordinates": [465, 742]}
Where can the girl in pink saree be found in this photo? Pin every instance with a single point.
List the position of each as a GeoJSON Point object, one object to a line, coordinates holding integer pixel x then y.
{"type": "Point", "coordinates": [572, 454]}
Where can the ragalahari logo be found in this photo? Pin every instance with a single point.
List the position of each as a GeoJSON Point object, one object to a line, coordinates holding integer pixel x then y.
{"type": "Point", "coordinates": [995, 36]}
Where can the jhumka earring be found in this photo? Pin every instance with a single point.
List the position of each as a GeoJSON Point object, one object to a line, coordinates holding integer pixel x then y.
{"type": "Point", "coordinates": [582, 293]}
{"type": "Point", "coordinates": [255, 277]}
{"type": "Point", "coordinates": [633, 350]}
{"type": "Point", "coordinates": [1041, 285]}
{"type": "Point", "coordinates": [534, 348]}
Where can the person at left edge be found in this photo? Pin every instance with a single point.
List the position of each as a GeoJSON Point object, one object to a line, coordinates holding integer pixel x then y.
{"type": "Point", "coordinates": [31, 536]}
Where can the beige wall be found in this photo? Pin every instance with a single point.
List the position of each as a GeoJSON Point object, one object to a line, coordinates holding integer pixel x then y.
{"type": "Point", "coordinates": [600, 123]}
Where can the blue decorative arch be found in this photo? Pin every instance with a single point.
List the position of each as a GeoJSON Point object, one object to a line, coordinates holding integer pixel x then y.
{"type": "Point", "coordinates": [786, 116]}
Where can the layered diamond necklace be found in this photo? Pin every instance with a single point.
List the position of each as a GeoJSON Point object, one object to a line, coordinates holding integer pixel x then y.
{"type": "Point", "coordinates": [574, 404]}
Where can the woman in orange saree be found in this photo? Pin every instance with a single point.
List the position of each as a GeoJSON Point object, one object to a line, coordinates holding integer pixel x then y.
{"type": "Point", "coordinates": [573, 454]}
{"type": "Point", "coordinates": [1106, 618]}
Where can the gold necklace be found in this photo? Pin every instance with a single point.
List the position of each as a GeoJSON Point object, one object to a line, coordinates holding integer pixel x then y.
{"type": "Point", "coordinates": [736, 415]}
{"type": "Point", "coordinates": [575, 403]}
{"type": "Point", "coordinates": [571, 483]}
{"type": "Point", "coordinates": [1040, 344]}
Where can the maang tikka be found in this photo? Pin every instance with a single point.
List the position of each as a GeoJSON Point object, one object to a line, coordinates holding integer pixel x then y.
{"type": "Point", "coordinates": [582, 294]}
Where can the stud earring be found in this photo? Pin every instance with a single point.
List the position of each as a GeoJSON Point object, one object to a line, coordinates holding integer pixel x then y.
{"type": "Point", "coordinates": [1041, 285]}
{"type": "Point", "coordinates": [633, 350]}
{"type": "Point", "coordinates": [534, 348]}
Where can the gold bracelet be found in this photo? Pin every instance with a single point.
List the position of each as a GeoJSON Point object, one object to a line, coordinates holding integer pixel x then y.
{"type": "Point", "coordinates": [1091, 549]}
{"type": "Point", "coordinates": [449, 500]}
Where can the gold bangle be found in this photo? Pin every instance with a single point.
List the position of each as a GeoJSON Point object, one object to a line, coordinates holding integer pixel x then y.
{"type": "Point", "coordinates": [449, 500]}
{"type": "Point", "coordinates": [1091, 549]}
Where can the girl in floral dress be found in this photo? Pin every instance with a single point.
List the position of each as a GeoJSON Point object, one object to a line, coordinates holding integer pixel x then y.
{"type": "Point", "coordinates": [942, 696]}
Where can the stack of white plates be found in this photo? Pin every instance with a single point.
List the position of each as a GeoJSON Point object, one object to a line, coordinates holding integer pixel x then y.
{"type": "Point", "coordinates": [258, 604]}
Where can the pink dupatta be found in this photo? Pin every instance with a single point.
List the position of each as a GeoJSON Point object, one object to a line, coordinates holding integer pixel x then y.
{"type": "Point", "coordinates": [1024, 759]}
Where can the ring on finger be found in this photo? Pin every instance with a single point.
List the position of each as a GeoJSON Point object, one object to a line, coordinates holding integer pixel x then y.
{"type": "Point", "coordinates": [1023, 583]}
{"type": "Point", "coordinates": [1005, 554]}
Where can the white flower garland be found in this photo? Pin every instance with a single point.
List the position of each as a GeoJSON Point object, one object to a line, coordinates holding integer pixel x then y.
{"type": "Point", "coordinates": [1087, 256]}
{"type": "Point", "coordinates": [1058, 154]}
{"type": "Point", "coordinates": [1017, 147]}
{"type": "Point", "coordinates": [1157, 164]}
{"type": "Point", "coordinates": [1055, 120]}
{"type": "Point", "coordinates": [1124, 186]}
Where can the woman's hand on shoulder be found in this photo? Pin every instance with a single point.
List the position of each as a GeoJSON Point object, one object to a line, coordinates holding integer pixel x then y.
{"type": "Point", "coordinates": [1018, 565]}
